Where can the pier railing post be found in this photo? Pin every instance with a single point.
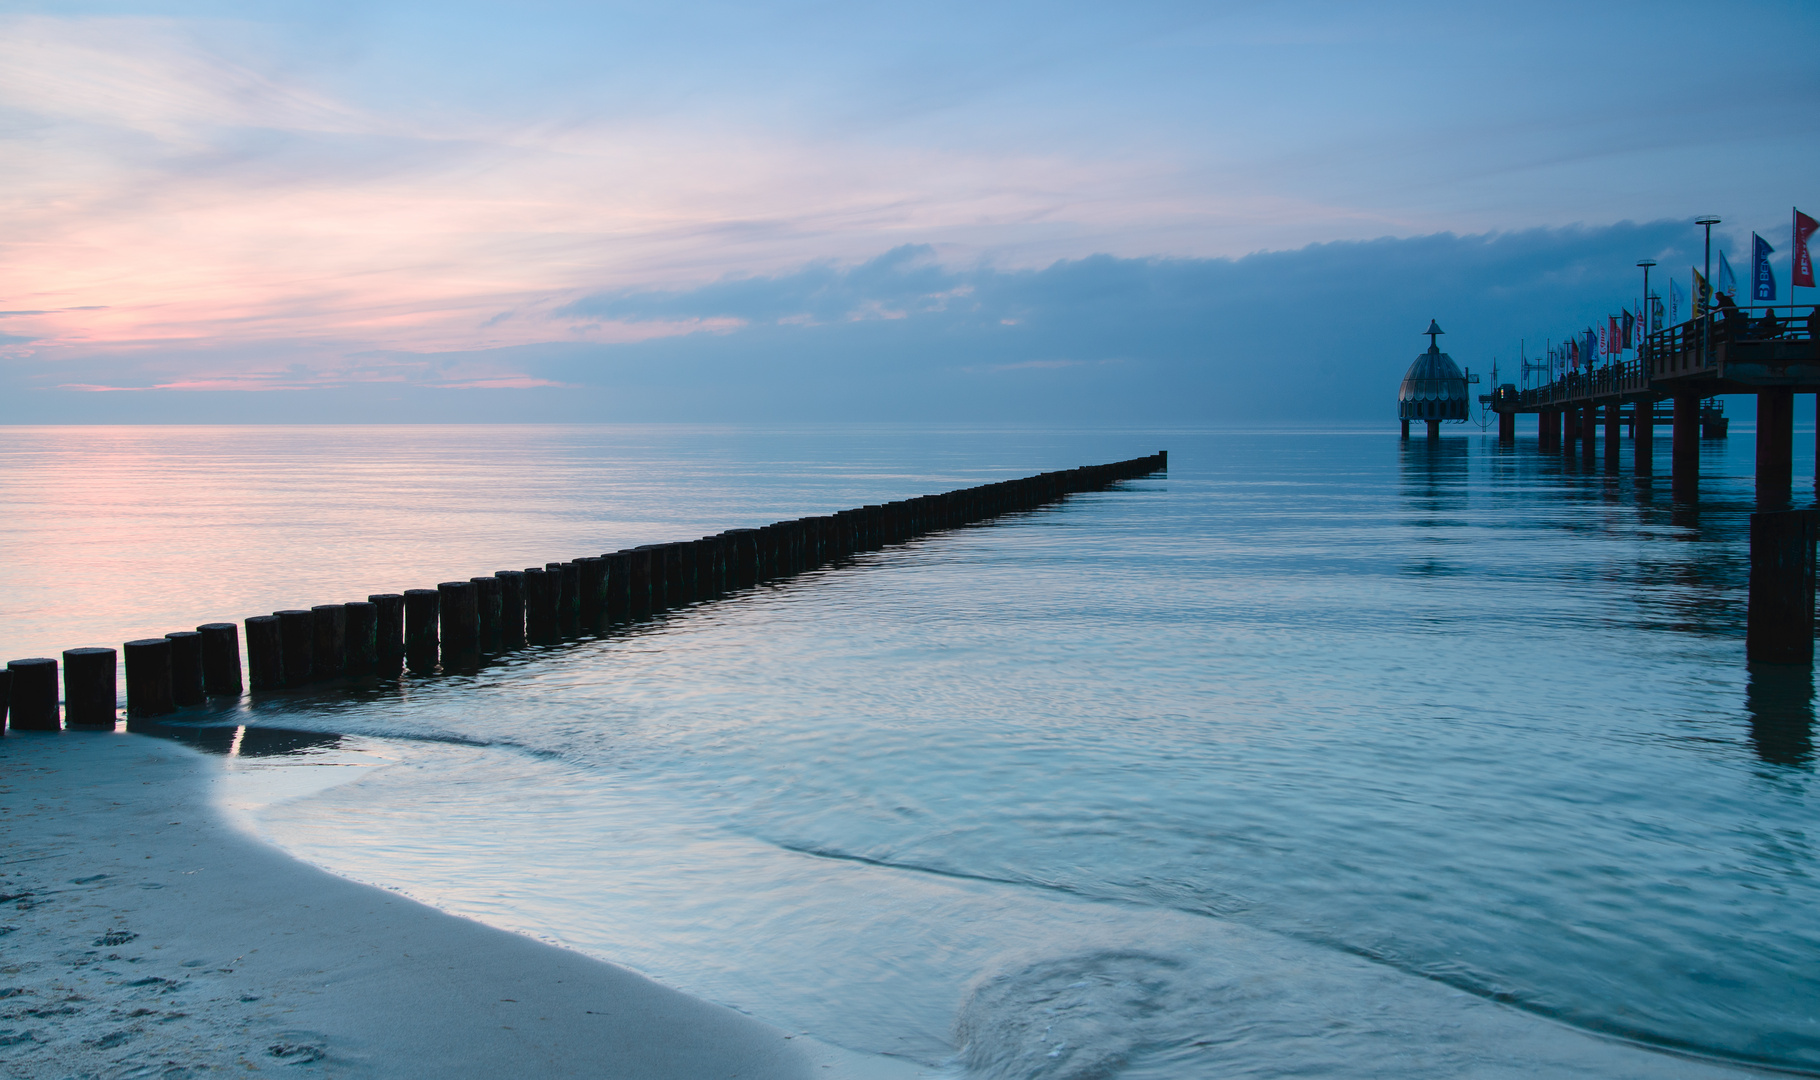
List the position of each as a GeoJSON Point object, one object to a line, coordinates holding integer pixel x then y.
{"type": "Point", "coordinates": [89, 694]}
{"type": "Point", "coordinates": [1780, 619]}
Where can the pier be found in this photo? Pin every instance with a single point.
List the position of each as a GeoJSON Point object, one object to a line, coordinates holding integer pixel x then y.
{"type": "Point", "coordinates": [456, 625]}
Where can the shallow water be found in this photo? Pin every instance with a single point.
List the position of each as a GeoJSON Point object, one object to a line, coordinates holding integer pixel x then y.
{"type": "Point", "coordinates": [1290, 762]}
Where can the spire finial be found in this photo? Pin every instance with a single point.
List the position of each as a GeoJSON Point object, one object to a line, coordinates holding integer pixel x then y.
{"type": "Point", "coordinates": [1433, 329]}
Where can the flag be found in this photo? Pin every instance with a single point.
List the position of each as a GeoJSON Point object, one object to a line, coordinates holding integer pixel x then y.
{"type": "Point", "coordinates": [1703, 295]}
{"type": "Point", "coordinates": [1573, 356]}
{"type": "Point", "coordinates": [1630, 328]}
{"type": "Point", "coordinates": [1604, 344]}
{"type": "Point", "coordinates": [1655, 314]}
{"type": "Point", "coordinates": [1592, 344]}
{"type": "Point", "coordinates": [1677, 300]}
{"type": "Point", "coordinates": [1801, 263]}
{"type": "Point", "coordinates": [1762, 278]}
{"type": "Point", "coordinates": [1728, 283]}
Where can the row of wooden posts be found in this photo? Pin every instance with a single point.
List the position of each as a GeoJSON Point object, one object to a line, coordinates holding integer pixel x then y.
{"type": "Point", "coordinates": [453, 625]}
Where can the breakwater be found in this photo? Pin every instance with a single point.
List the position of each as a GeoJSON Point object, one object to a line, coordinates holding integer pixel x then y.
{"type": "Point", "coordinates": [453, 626]}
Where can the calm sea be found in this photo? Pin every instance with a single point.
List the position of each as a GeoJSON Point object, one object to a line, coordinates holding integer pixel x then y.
{"type": "Point", "coordinates": [1322, 755]}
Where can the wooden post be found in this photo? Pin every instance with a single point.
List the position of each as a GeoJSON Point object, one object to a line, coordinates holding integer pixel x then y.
{"type": "Point", "coordinates": [640, 604]}
{"type": "Point", "coordinates": [89, 695]}
{"type": "Point", "coordinates": [1405, 429]}
{"type": "Point", "coordinates": [1775, 446]}
{"type": "Point", "coordinates": [420, 616]}
{"type": "Point", "coordinates": [569, 609]}
{"type": "Point", "coordinates": [540, 606]}
{"type": "Point", "coordinates": [1780, 618]}
{"type": "Point", "coordinates": [488, 608]}
{"type": "Point", "coordinates": [34, 694]}
{"type": "Point", "coordinates": [458, 606]}
{"type": "Point", "coordinates": [148, 677]}
{"type": "Point", "coordinates": [1643, 437]}
{"type": "Point", "coordinates": [555, 583]}
{"type": "Point", "coordinates": [619, 586]}
{"type": "Point", "coordinates": [511, 608]}
{"type": "Point", "coordinates": [1589, 434]}
{"type": "Point", "coordinates": [186, 668]}
{"type": "Point", "coordinates": [388, 632]}
{"type": "Point", "coordinates": [1507, 428]}
{"type": "Point", "coordinates": [329, 642]}
{"type": "Point", "coordinates": [1614, 423]}
{"type": "Point", "coordinates": [297, 639]}
{"type": "Point", "coordinates": [593, 583]}
{"type": "Point", "coordinates": [1686, 449]}
{"type": "Point", "coordinates": [362, 637]}
{"type": "Point", "coordinates": [220, 658]}
{"type": "Point", "coordinates": [264, 653]}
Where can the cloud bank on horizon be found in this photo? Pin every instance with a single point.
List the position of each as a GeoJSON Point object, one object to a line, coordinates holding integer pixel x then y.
{"type": "Point", "coordinates": [598, 202]}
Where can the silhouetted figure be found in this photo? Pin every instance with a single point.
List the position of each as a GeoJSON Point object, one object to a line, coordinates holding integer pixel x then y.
{"type": "Point", "coordinates": [1768, 328]}
{"type": "Point", "coordinates": [1780, 701]}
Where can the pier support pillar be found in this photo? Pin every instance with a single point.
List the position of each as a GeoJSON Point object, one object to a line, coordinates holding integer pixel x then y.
{"type": "Point", "coordinates": [1548, 430]}
{"type": "Point", "coordinates": [1589, 433]}
{"type": "Point", "coordinates": [1687, 445]}
{"type": "Point", "coordinates": [1406, 428]}
{"type": "Point", "coordinates": [1780, 620]}
{"type": "Point", "coordinates": [1775, 446]}
{"type": "Point", "coordinates": [1434, 429]}
{"type": "Point", "coordinates": [1643, 437]}
{"type": "Point", "coordinates": [1613, 434]}
{"type": "Point", "coordinates": [1507, 428]}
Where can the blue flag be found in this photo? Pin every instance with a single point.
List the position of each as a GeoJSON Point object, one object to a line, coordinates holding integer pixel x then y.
{"type": "Point", "coordinates": [1728, 282]}
{"type": "Point", "coordinates": [1762, 278]}
{"type": "Point", "coordinates": [1677, 300]}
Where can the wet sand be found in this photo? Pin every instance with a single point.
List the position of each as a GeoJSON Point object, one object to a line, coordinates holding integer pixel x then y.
{"type": "Point", "coordinates": [145, 936]}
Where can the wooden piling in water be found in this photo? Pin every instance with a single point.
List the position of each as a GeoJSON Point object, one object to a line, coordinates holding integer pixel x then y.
{"type": "Point", "coordinates": [388, 632]}
{"type": "Point", "coordinates": [1614, 425]}
{"type": "Point", "coordinates": [90, 698]}
{"type": "Point", "coordinates": [568, 610]}
{"type": "Point", "coordinates": [329, 641]}
{"type": "Point", "coordinates": [297, 641]}
{"type": "Point", "coordinates": [1775, 446]}
{"type": "Point", "coordinates": [1685, 453]}
{"type": "Point", "coordinates": [420, 639]}
{"type": "Point", "coordinates": [1643, 438]}
{"type": "Point", "coordinates": [458, 609]}
{"type": "Point", "coordinates": [361, 637]}
{"type": "Point", "coordinates": [34, 694]}
{"type": "Point", "coordinates": [619, 586]}
{"type": "Point", "coordinates": [148, 677]}
{"type": "Point", "coordinates": [1780, 617]}
{"type": "Point", "coordinates": [511, 608]}
{"type": "Point", "coordinates": [540, 605]}
{"type": "Point", "coordinates": [264, 653]}
{"type": "Point", "coordinates": [592, 578]}
{"type": "Point", "coordinates": [488, 607]}
{"type": "Point", "coordinates": [186, 669]}
{"type": "Point", "coordinates": [220, 658]}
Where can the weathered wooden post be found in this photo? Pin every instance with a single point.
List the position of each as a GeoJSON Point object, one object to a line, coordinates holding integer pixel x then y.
{"type": "Point", "coordinates": [388, 632]}
{"type": "Point", "coordinates": [488, 607]}
{"type": "Point", "coordinates": [186, 668]}
{"type": "Point", "coordinates": [1613, 433]}
{"type": "Point", "coordinates": [592, 573]}
{"type": "Point", "coordinates": [1643, 437]}
{"type": "Point", "coordinates": [1775, 446]}
{"type": "Point", "coordinates": [568, 610]}
{"type": "Point", "coordinates": [639, 559]}
{"type": "Point", "coordinates": [619, 585]}
{"type": "Point", "coordinates": [34, 694]}
{"type": "Point", "coordinates": [220, 658]}
{"type": "Point", "coordinates": [329, 642]}
{"type": "Point", "coordinates": [1589, 434]}
{"type": "Point", "coordinates": [420, 616]}
{"type": "Point", "coordinates": [89, 694]}
{"type": "Point", "coordinates": [540, 606]}
{"type": "Point", "coordinates": [148, 677]}
{"type": "Point", "coordinates": [6, 697]}
{"type": "Point", "coordinates": [511, 608]}
{"type": "Point", "coordinates": [264, 652]}
{"type": "Point", "coordinates": [1685, 453]}
{"type": "Point", "coordinates": [362, 637]}
{"type": "Point", "coordinates": [1780, 618]}
{"type": "Point", "coordinates": [555, 583]}
{"type": "Point", "coordinates": [458, 607]}
{"type": "Point", "coordinates": [297, 640]}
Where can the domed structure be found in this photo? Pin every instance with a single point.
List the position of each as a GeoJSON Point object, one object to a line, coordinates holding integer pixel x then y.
{"type": "Point", "coordinates": [1434, 389]}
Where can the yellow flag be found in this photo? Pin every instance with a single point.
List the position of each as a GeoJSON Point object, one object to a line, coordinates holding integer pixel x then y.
{"type": "Point", "coordinates": [1703, 296]}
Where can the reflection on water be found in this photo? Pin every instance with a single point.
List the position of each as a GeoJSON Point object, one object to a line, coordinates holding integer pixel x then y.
{"type": "Point", "coordinates": [1780, 702]}
{"type": "Point", "coordinates": [240, 740]}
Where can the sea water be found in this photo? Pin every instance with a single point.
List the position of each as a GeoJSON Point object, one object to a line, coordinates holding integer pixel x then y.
{"type": "Point", "coordinates": [1323, 754]}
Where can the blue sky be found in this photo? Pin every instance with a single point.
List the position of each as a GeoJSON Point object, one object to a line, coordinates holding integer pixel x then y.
{"type": "Point", "coordinates": [312, 210]}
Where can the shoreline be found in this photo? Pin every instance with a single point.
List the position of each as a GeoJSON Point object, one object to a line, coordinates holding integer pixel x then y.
{"type": "Point", "coordinates": [147, 935]}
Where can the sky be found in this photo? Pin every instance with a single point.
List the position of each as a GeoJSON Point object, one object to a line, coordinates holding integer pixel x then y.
{"type": "Point", "coordinates": [1139, 212]}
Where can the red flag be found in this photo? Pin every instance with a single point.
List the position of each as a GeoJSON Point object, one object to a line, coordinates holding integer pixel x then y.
{"type": "Point", "coordinates": [1803, 262]}
{"type": "Point", "coordinates": [1612, 348]}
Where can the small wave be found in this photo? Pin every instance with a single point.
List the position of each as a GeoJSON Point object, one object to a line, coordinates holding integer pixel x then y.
{"type": "Point", "coordinates": [1074, 1018]}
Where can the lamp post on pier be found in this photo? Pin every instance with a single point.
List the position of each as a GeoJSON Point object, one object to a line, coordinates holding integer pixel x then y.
{"type": "Point", "coordinates": [1706, 291]}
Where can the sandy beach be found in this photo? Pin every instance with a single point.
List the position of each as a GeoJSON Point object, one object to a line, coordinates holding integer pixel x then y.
{"type": "Point", "coordinates": [142, 935]}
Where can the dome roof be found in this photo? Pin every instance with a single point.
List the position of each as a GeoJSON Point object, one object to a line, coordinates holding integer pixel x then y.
{"type": "Point", "coordinates": [1433, 377]}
